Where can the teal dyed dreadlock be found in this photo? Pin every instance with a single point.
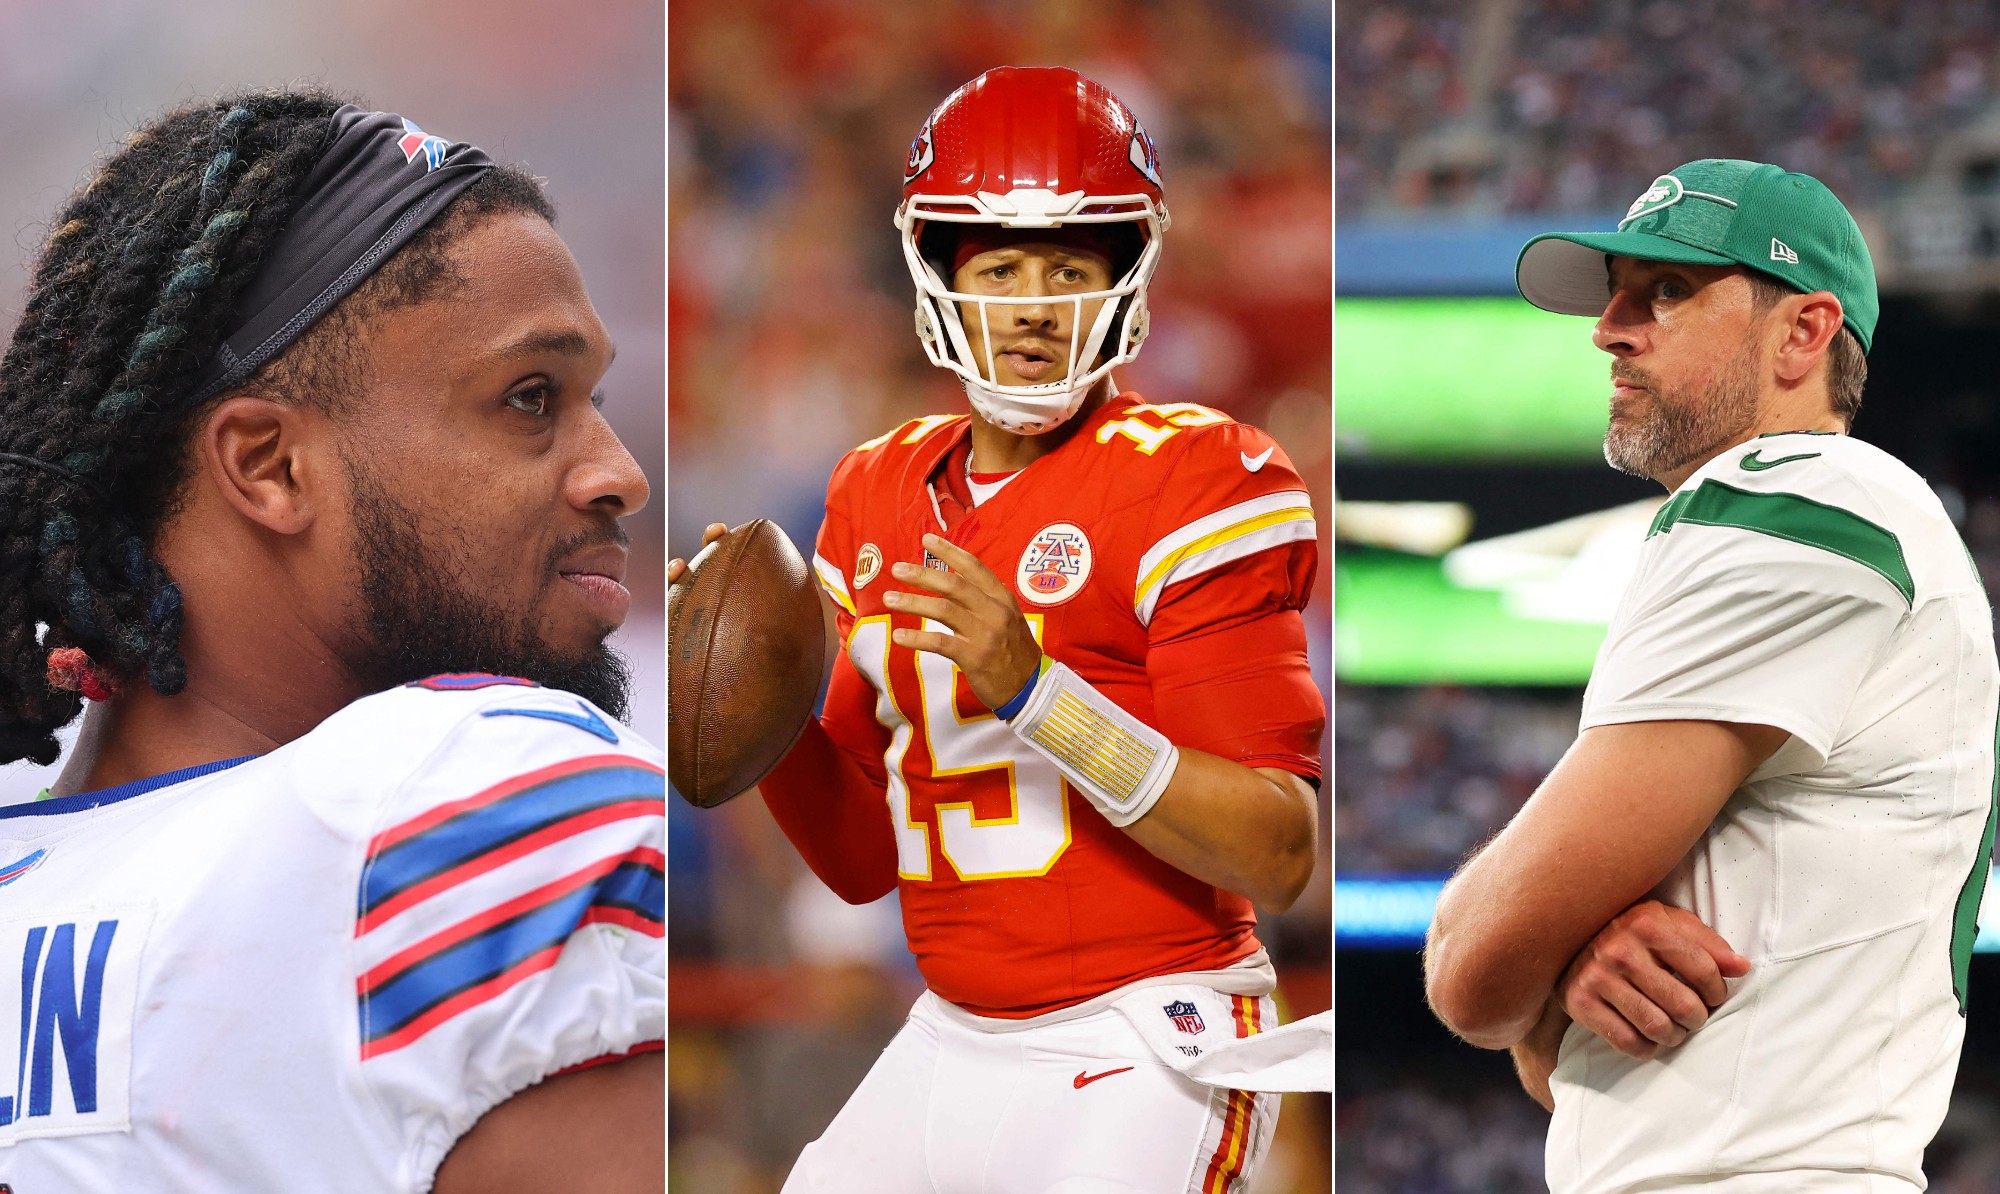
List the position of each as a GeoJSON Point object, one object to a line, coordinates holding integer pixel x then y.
{"type": "Point", "coordinates": [132, 290]}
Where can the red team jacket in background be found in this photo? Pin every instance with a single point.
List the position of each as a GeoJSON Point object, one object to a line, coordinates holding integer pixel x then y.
{"type": "Point", "coordinates": [1164, 554]}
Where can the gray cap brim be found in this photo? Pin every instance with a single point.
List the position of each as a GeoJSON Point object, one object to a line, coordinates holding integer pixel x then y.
{"type": "Point", "coordinates": [1564, 271]}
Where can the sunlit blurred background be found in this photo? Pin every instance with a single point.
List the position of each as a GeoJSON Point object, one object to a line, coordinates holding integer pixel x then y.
{"type": "Point", "coordinates": [573, 93]}
{"type": "Point", "coordinates": [790, 319]}
{"type": "Point", "coordinates": [1482, 540]}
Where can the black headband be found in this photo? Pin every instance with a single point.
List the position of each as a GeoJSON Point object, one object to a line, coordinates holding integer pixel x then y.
{"type": "Point", "coordinates": [380, 181]}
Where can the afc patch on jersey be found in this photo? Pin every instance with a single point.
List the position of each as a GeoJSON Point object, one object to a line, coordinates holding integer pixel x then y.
{"type": "Point", "coordinates": [1055, 564]}
{"type": "Point", "coordinates": [71, 1055]}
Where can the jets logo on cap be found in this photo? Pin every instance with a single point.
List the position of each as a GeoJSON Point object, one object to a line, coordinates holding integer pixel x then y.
{"type": "Point", "coordinates": [415, 142]}
{"type": "Point", "coordinates": [1664, 193]}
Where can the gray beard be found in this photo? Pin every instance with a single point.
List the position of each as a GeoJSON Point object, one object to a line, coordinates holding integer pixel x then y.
{"type": "Point", "coordinates": [1680, 427]}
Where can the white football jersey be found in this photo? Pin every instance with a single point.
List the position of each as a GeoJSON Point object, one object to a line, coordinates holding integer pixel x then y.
{"type": "Point", "coordinates": [1814, 583]}
{"type": "Point", "coordinates": [313, 970]}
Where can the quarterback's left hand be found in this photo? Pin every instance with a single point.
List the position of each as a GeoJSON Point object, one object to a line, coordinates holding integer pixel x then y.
{"type": "Point", "coordinates": [990, 641]}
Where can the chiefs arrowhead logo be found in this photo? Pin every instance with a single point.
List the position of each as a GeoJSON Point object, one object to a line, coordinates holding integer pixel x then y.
{"type": "Point", "coordinates": [923, 151]}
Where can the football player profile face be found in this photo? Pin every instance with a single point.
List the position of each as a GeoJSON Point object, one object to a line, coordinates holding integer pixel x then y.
{"type": "Point", "coordinates": [1686, 345]}
{"type": "Point", "coordinates": [484, 482]}
{"type": "Point", "coordinates": [1029, 343]}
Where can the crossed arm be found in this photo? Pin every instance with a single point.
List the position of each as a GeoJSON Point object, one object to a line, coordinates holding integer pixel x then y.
{"type": "Point", "coordinates": [1624, 805]}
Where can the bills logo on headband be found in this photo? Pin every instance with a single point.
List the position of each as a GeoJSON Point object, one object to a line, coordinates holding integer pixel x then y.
{"type": "Point", "coordinates": [923, 151]}
{"type": "Point", "coordinates": [1055, 565]}
{"type": "Point", "coordinates": [416, 141]}
{"type": "Point", "coordinates": [1185, 1016]}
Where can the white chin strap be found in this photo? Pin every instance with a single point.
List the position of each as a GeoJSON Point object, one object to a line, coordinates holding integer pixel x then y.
{"type": "Point", "coordinates": [1024, 414]}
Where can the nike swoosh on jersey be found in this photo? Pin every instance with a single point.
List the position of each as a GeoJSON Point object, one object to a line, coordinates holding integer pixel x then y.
{"type": "Point", "coordinates": [1253, 463]}
{"type": "Point", "coordinates": [583, 719]}
{"type": "Point", "coordinates": [1756, 465]}
{"type": "Point", "coordinates": [1085, 1078]}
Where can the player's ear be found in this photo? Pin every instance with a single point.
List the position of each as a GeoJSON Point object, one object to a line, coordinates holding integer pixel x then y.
{"type": "Point", "coordinates": [266, 459]}
{"type": "Point", "coordinates": [1811, 321]}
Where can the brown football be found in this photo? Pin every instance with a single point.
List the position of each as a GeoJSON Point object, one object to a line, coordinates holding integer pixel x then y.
{"type": "Point", "coordinates": [745, 650]}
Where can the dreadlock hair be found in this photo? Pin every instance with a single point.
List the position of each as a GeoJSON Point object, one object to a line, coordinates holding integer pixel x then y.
{"type": "Point", "coordinates": [132, 291]}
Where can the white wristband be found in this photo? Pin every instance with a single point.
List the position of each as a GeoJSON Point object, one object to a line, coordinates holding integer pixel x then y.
{"type": "Point", "coordinates": [1118, 762]}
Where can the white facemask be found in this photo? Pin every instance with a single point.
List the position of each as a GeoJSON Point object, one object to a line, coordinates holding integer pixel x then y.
{"type": "Point", "coordinates": [1031, 409]}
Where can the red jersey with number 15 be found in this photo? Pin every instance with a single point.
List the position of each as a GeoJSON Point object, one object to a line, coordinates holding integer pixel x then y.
{"type": "Point", "coordinates": [1164, 554]}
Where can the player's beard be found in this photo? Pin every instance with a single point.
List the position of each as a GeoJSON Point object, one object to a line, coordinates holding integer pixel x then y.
{"type": "Point", "coordinates": [423, 614]}
{"type": "Point", "coordinates": [1680, 426]}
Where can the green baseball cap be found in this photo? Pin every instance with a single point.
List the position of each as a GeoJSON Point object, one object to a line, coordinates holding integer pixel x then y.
{"type": "Point", "coordinates": [1716, 212]}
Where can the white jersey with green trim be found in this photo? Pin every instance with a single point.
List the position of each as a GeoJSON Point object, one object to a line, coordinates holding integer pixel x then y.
{"type": "Point", "coordinates": [1814, 583]}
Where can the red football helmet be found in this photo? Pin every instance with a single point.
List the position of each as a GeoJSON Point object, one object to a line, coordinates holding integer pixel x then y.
{"type": "Point", "coordinates": [1031, 147]}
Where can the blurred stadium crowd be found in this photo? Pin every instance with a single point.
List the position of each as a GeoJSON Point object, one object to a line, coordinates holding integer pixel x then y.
{"type": "Point", "coordinates": [1422, 775]}
{"type": "Point", "coordinates": [790, 332]}
{"type": "Point", "coordinates": [1438, 1136]}
{"type": "Point", "coordinates": [1573, 105]}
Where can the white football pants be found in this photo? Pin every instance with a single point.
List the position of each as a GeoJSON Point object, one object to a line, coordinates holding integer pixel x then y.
{"type": "Point", "coordinates": [1077, 1106]}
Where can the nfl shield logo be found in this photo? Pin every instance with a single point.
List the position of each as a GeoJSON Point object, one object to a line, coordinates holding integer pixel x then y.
{"type": "Point", "coordinates": [1185, 1016]}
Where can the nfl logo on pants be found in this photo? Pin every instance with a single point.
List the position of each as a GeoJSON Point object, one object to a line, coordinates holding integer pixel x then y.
{"type": "Point", "coordinates": [1185, 1016]}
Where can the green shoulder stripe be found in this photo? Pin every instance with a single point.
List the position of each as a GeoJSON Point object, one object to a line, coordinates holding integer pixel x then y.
{"type": "Point", "coordinates": [1789, 516]}
{"type": "Point", "coordinates": [1965, 918]}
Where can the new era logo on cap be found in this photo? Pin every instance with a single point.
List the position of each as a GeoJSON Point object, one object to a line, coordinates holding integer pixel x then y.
{"type": "Point", "coordinates": [1780, 251]}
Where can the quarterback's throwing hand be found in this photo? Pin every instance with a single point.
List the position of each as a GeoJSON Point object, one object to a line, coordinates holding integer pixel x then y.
{"type": "Point", "coordinates": [990, 641]}
{"type": "Point", "coordinates": [1649, 978]}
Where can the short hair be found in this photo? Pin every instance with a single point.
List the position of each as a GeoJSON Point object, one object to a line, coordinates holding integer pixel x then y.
{"type": "Point", "coordinates": [1846, 360]}
{"type": "Point", "coordinates": [132, 291]}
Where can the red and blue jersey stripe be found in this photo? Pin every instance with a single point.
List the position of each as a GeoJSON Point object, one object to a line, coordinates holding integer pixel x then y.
{"type": "Point", "coordinates": [453, 842]}
{"type": "Point", "coordinates": [468, 962]}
